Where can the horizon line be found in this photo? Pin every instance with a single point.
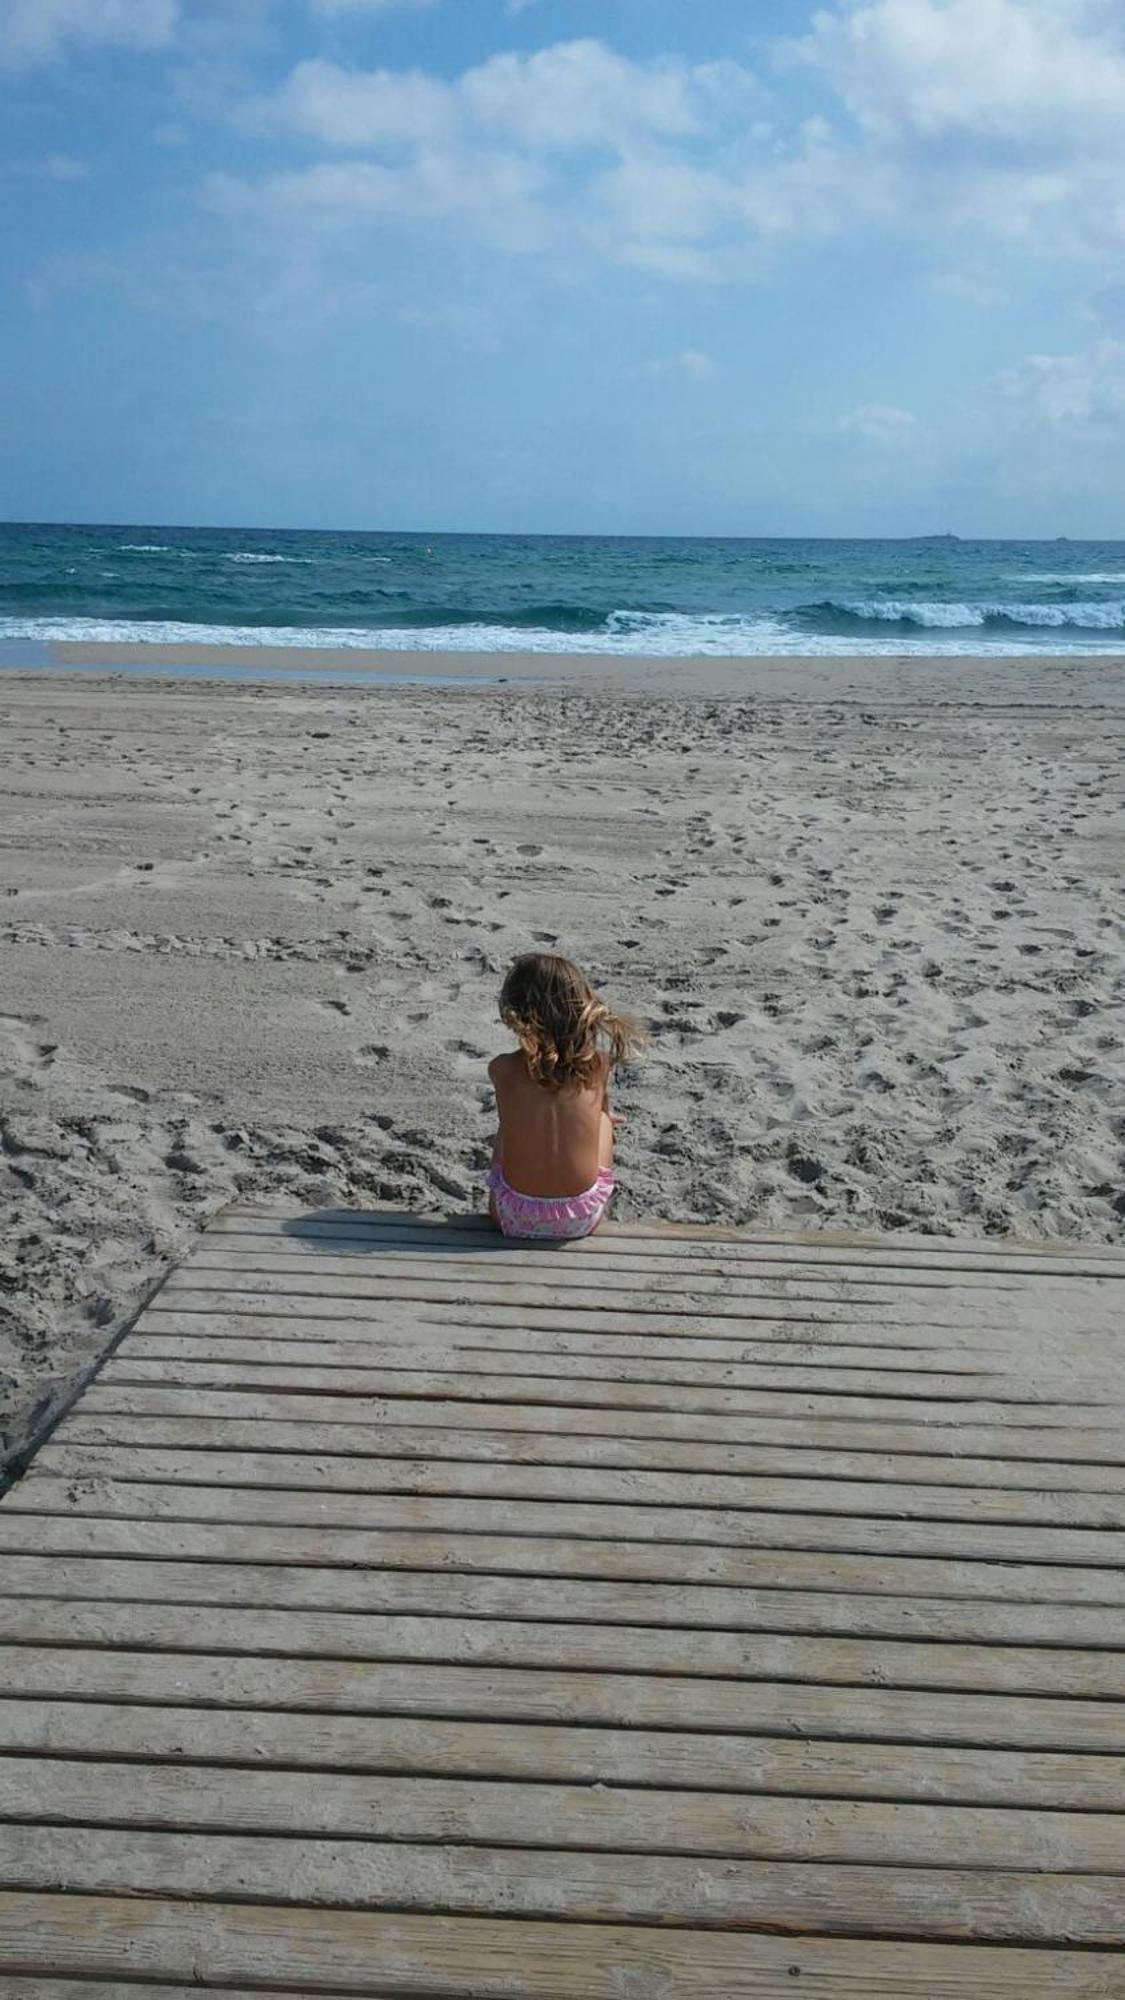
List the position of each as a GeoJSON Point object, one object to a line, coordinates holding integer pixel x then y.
{"type": "Point", "coordinates": [552, 534]}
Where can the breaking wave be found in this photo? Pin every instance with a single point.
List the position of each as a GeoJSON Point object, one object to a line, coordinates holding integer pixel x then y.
{"type": "Point", "coordinates": [666, 634]}
{"type": "Point", "coordinates": [937, 616]}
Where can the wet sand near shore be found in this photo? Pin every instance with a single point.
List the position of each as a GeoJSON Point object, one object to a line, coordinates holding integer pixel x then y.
{"type": "Point", "coordinates": [1020, 680]}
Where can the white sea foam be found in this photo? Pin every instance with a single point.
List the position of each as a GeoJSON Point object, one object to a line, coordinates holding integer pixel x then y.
{"type": "Point", "coordinates": [667, 634]}
{"type": "Point", "coordinates": [1069, 576]}
{"type": "Point", "coordinates": [146, 548]}
{"type": "Point", "coordinates": [252, 556]}
{"type": "Point", "coordinates": [941, 616]}
{"type": "Point", "coordinates": [908, 610]}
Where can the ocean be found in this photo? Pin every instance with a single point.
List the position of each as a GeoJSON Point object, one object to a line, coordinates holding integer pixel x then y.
{"type": "Point", "coordinates": [560, 593]}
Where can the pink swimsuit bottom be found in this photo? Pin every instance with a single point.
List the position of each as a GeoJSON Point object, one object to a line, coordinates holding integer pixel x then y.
{"type": "Point", "coordinates": [560, 1216]}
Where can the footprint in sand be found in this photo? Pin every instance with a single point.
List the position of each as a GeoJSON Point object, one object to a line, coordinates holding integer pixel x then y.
{"type": "Point", "coordinates": [30, 1055]}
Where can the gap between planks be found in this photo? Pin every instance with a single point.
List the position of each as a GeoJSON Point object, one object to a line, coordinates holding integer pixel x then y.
{"type": "Point", "coordinates": [900, 1372]}
{"type": "Point", "coordinates": [832, 1712]}
{"type": "Point", "coordinates": [1000, 1906]}
{"type": "Point", "coordinates": [689, 1613]}
{"type": "Point", "coordinates": [359, 1298]}
{"type": "Point", "coordinates": [622, 1389]}
{"type": "Point", "coordinates": [376, 1447]}
{"type": "Point", "coordinates": [124, 1497]}
{"type": "Point", "coordinates": [738, 1278]}
{"type": "Point", "coordinates": [689, 1760]}
{"type": "Point", "coordinates": [948, 1666]}
{"type": "Point", "coordinates": [615, 1818]}
{"type": "Point", "coordinates": [986, 1429]}
{"type": "Point", "coordinates": [852, 1488]}
{"type": "Point", "coordinates": [982, 1579]}
{"type": "Point", "coordinates": [696, 1332]}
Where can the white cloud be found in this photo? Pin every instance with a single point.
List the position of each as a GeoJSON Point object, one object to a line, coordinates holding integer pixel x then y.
{"type": "Point", "coordinates": [883, 425]}
{"type": "Point", "coordinates": [1075, 395]}
{"type": "Point", "coordinates": [569, 98]}
{"type": "Point", "coordinates": [38, 31]}
{"type": "Point", "coordinates": [356, 109]}
{"type": "Point", "coordinates": [969, 128]}
{"type": "Point", "coordinates": [691, 365]}
{"type": "Point", "coordinates": [1002, 120]}
{"type": "Point", "coordinates": [582, 94]}
{"type": "Point", "coordinates": [572, 146]}
{"type": "Point", "coordinates": [497, 199]}
{"type": "Point", "coordinates": [660, 212]}
{"type": "Point", "coordinates": [1008, 70]}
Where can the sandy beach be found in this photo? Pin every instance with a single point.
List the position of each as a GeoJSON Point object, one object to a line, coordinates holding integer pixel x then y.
{"type": "Point", "coordinates": [253, 934]}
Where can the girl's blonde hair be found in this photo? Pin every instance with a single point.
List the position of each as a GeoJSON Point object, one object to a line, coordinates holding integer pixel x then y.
{"type": "Point", "coordinates": [566, 1033]}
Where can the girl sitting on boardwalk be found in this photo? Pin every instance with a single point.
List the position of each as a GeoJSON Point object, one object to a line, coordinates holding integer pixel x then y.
{"type": "Point", "coordinates": [552, 1163]}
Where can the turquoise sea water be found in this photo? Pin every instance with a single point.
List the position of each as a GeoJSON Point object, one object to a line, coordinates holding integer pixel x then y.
{"type": "Point", "coordinates": [545, 593]}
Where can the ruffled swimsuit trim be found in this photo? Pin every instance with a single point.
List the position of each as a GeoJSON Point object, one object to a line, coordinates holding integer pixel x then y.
{"type": "Point", "coordinates": [562, 1216]}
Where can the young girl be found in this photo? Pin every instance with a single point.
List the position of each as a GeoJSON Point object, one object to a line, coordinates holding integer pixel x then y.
{"type": "Point", "coordinates": [552, 1163]}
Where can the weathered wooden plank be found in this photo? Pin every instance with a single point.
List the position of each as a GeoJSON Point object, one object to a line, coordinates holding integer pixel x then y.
{"type": "Point", "coordinates": [556, 1884]}
{"type": "Point", "coordinates": [621, 1240]}
{"type": "Point", "coordinates": [857, 1490]}
{"type": "Point", "coordinates": [500, 1265]}
{"type": "Point", "coordinates": [690, 1760]}
{"type": "Point", "coordinates": [428, 1593]}
{"type": "Point", "coordinates": [869, 1713]}
{"type": "Point", "coordinates": [452, 1332]}
{"type": "Point", "coordinates": [365, 1365]}
{"type": "Point", "coordinates": [1037, 1307]}
{"type": "Point", "coordinates": [410, 1320]}
{"type": "Point", "coordinates": [958, 1401]}
{"type": "Point", "coordinates": [296, 1633]}
{"type": "Point", "coordinates": [723, 1572]}
{"type": "Point", "coordinates": [403, 1441]}
{"type": "Point", "coordinates": [222, 1291]}
{"type": "Point", "coordinates": [599, 1284]}
{"type": "Point", "coordinates": [1034, 1306]}
{"type": "Point", "coordinates": [597, 1818]}
{"type": "Point", "coordinates": [393, 1955]}
{"type": "Point", "coordinates": [905, 1425]}
{"type": "Point", "coordinates": [125, 1498]}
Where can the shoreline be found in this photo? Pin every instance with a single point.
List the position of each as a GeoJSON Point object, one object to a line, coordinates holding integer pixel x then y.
{"type": "Point", "coordinates": [1018, 680]}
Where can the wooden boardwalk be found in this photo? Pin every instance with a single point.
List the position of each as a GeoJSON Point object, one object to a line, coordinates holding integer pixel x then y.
{"type": "Point", "coordinates": [679, 1614]}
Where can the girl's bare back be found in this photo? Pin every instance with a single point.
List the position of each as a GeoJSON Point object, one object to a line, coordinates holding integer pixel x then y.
{"type": "Point", "coordinates": [551, 1142]}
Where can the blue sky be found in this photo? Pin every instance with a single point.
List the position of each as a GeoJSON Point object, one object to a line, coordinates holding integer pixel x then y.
{"type": "Point", "coordinates": [684, 266]}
